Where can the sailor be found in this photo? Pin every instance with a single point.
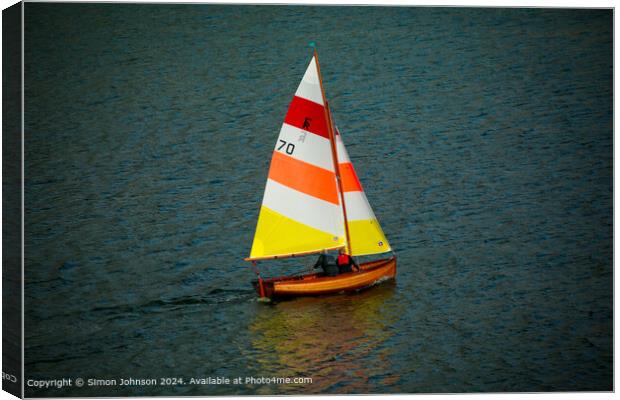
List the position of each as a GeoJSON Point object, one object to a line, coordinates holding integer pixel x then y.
{"type": "Point", "coordinates": [328, 263]}
{"type": "Point", "coordinates": [346, 262]}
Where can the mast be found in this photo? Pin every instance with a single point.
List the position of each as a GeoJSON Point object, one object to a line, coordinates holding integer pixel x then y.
{"type": "Point", "coordinates": [328, 118]}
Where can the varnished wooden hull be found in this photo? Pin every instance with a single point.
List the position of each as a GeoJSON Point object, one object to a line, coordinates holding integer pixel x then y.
{"type": "Point", "coordinates": [317, 284]}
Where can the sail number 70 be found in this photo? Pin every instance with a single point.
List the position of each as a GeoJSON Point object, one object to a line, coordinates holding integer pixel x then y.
{"type": "Point", "coordinates": [289, 149]}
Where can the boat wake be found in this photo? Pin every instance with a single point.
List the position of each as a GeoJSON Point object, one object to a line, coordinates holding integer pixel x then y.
{"type": "Point", "coordinates": [214, 296]}
{"type": "Point", "coordinates": [381, 280]}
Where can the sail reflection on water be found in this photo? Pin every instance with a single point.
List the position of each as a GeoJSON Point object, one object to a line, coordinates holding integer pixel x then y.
{"type": "Point", "coordinates": [339, 341]}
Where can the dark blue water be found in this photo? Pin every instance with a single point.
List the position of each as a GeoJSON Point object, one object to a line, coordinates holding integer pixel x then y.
{"type": "Point", "coordinates": [483, 138]}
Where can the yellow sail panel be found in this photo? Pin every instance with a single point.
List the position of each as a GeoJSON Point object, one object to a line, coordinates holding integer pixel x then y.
{"type": "Point", "coordinates": [365, 232]}
{"type": "Point", "coordinates": [277, 234]}
{"type": "Point", "coordinates": [367, 238]}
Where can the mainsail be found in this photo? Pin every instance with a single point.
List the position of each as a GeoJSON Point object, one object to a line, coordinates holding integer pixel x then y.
{"type": "Point", "coordinates": [301, 210]}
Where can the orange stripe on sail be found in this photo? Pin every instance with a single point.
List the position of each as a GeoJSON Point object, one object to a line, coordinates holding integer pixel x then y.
{"type": "Point", "coordinates": [350, 182]}
{"type": "Point", "coordinates": [304, 177]}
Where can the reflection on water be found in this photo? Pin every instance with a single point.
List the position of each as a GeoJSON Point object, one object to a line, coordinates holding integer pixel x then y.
{"type": "Point", "coordinates": [338, 341]}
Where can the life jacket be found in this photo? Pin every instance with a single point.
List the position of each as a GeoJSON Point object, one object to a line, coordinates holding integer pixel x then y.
{"type": "Point", "coordinates": [343, 259]}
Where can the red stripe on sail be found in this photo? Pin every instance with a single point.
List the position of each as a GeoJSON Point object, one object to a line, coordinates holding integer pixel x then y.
{"type": "Point", "coordinates": [307, 115]}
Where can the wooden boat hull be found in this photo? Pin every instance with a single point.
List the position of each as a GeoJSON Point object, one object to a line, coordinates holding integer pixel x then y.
{"type": "Point", "coordinates": [318, 284]}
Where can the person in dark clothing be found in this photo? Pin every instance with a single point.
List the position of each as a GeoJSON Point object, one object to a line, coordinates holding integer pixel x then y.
{"type": "Point", "coordinates": [346, 263]}
{"type": "Point", "coordinates": [328, 263]}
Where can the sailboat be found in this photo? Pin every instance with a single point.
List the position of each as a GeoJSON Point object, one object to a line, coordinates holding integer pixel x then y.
{"type": "Point", "coordinates": [314, 203]}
